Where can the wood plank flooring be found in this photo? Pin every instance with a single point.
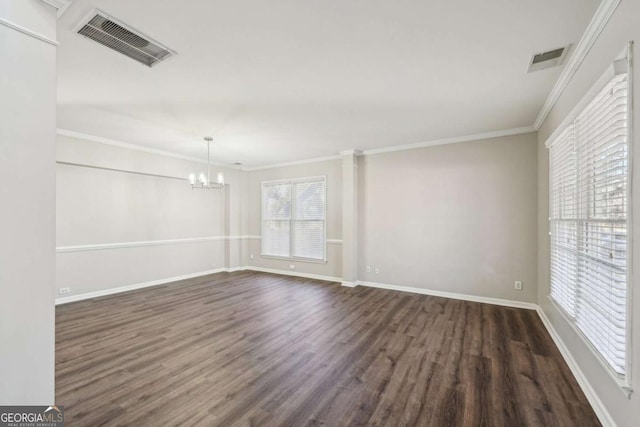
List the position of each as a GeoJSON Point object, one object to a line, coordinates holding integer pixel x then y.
{"type": "Point", "coordinates": [247, 348]}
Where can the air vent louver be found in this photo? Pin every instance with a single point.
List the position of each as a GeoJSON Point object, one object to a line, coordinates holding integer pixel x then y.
{"type": "Point", "coordinates": [117, 36]}
{"type": "Point", "coordinates": [548, 59]}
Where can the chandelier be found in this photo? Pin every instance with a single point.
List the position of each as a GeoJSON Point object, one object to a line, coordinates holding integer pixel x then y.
{"type": "Point", "coordinates": [204, 181]}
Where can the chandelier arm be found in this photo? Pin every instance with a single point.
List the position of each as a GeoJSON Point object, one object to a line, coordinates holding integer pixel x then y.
{"type": "Point", "coordinates": [204, 183]}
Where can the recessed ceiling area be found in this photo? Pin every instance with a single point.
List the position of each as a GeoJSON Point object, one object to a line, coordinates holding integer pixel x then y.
{"type": "Point", "coordinates": [285, 81]}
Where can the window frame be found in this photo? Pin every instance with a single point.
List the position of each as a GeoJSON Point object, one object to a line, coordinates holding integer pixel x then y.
{"type": "Point", "coordinates": [624, 59]}
{"type": "Point", "coordinates": [316, 178]}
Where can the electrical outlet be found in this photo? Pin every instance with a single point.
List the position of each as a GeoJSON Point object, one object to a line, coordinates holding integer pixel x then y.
{"type": "Point", "coordinates": [292, 267]}
{"type": "Point", "coordinates": [377, 270]}
{"type": "Point", "coordinates": [63, 291]}
{"type": "Point", "coordinates": [251, 256]}
{"type": "Point", "coordinates": [368, 269]}
{"type": "Point", "coordinates": [518, 286]}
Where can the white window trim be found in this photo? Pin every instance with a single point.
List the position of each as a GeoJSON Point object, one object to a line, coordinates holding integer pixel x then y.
{"type": "Point", "coordinates": [626, 57]}
{"type": "Point", "coordinates": [291, 181]}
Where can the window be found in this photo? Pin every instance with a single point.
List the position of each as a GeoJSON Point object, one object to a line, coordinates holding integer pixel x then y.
{"type": "Point", "coordinates": [589, 183]}
{"type": "Point", "coordinates": [293, 219]}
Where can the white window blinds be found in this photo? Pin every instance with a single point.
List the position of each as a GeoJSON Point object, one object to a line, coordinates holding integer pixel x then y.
{"type": "Point", "coordinates": [589, 175]}
{"type": "Point", "coordinates": [293, 218]}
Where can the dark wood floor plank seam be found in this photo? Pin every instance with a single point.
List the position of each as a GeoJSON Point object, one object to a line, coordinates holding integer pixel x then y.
{"type": "Point", "coordinates": [248, 348]}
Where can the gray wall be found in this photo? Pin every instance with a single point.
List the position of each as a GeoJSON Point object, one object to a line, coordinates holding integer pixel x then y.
{"type": "Point", "coordinates": [623, 27]}
{"type": "Point", "coordinates": [104, 207]}
{"type": "Point", "coordinates": [457, 218]}
{"type": "Point", "coordinates": [333, 171]}
{"type": "Point", "coordinates": [27, 191]}
{"type": "Point", "coordinates": [96, 207]}
{"type": "Point", "coordinates": [432, 243]}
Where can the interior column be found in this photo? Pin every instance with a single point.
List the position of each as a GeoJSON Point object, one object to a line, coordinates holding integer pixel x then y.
{"type": "Point", "coordinates": [350, 217]}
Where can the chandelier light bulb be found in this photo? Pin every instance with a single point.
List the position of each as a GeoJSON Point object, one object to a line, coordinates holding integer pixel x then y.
{"type": "Point", "coordinates": [203, 181]}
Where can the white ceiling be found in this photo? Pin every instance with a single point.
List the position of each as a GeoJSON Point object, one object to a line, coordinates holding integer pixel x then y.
{"type": "Point", "coordinates": [278, 81]}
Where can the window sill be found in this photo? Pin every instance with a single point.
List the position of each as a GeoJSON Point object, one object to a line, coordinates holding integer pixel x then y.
{"type": "Point", "coordinates": [282, 258]}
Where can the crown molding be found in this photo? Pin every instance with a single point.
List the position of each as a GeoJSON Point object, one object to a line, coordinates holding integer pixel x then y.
{"type": "Point", "coordinates": [61, 5]}
{"type": "Point", "coordinates": [591, 34]}
{"type": "Point", "coordinates": [352, 152]}
{"type": "Point", "coordinates": [443, 141]}
{"type": "Point", "coordinates": [453, 140]}
{"type": "Point", "coordinates": [294, 163]}
{"type": "Point", "coordinates": [28, 32]}
{"type": "Point", "coordinates": [120, 144]}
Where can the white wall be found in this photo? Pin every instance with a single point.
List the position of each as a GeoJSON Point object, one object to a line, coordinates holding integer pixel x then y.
{"type": "Point", "coordinates": [27, 195]}
{"type": "Point", "coordinates": [333, 171]}
{"type": "Point", "coordinates": [623, 27]}
{"type": "Point", "coordinates": [98, 207]}
{"type": "Point", "coordinates": [457, 218]}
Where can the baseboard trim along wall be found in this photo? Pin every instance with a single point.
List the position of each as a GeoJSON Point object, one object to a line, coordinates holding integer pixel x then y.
{"type": "Point", "coordinates": [452, 295]}
{"type": "Point", "coordinates": [599, 408]}
{"type": "Point", "coordinates": [443, 294]}
{"type": "Point", "coordinates": [597, 405]}
{"type": "Point", "coordinates": [134, 286]}
{"type": "Point", "coordinates": [294, 273]}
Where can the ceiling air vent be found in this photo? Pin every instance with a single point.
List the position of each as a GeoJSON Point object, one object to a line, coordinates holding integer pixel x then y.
{"type": "Point", "coordinates": [548, 59]}
{"type": "Point", "coordinates": [105, 30]}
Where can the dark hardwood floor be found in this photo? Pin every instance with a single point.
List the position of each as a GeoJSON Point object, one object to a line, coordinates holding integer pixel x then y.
{"type": "Point", "coordinates": [259, 349]}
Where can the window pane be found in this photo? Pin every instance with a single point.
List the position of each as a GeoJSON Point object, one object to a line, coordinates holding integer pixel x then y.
{"type": "Point", "coordinates": [293, 215]}
{"type": "Point", "coordinates": [308, 239]}
{"type": "Point", "coordinates": [309, 200]}
{"type": "Point", "coordinates": [276, 200]}
{"type": "Point", "coordinates": [275, 238]}
{"type": "Point", "coordinates": [564, 264]}
{"type": "Point", "coordinates": [589, 205]}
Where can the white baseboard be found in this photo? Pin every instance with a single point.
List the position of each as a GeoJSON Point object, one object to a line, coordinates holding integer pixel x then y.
{"type": "Point", "coordinates": [293, 273]}
{"type": "Point", "coordinates": [601, 411]}
{"type": "Point", "coordinates": [452, 295]}
{"type": "Point", "coordinates": [120, 289]}
{"type": "Point", "coordinates": [111, 291]}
